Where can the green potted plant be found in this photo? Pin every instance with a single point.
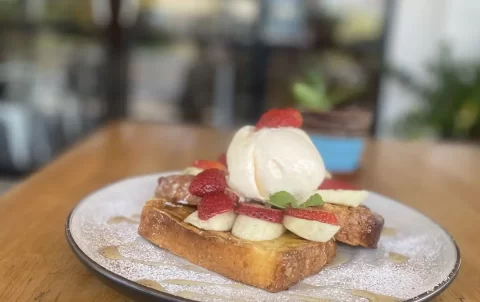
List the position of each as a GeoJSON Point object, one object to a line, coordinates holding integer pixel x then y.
{"type": "Point", "coordinates": [337, 127]}
{"type": "Point", "coordinates": [448, 105]}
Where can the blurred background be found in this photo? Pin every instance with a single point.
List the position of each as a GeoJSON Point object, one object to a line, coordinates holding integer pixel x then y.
{"type": "Point", "coordinates": [356, 68]}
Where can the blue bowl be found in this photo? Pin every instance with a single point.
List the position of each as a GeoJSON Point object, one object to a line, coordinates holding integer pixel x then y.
{"type": "Point", "coordinates": [340, 154]}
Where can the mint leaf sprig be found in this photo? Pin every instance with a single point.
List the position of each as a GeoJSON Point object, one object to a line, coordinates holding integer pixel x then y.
{"type": "Point", "coordinates": [283, 199]}
{"type": "Point", "coordinates": [313, 201]}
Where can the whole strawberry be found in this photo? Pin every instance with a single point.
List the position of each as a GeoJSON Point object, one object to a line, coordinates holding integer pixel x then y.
{"type": "Point", "coordinates": [208, 181]}
{"type": "Point", "coordinates": [215, 203]}
{"type": "Point", "coordinates": [232, 195]}
{"type": "Point", "coordinates": [277, 118]}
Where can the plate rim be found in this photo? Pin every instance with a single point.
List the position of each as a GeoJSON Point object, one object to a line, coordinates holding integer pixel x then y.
{"type": "Point", "coordinates": [152, 293]}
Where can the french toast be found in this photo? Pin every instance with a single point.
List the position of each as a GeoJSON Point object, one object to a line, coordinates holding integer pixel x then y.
{"type": "Point", "coordinates": [174, 188]}
{"type": "Point", "coordinates": [359, 226]}
{"type": "Point", "coordinates": [273, 265]}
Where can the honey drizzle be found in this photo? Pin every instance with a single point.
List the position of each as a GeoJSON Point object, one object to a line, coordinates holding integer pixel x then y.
{"type": "Point", "coordinates": [397, 258]}
{"type": "Point", "coordinates": [151, 284]}
{"type": "Point", "coordinates": [373, 297]}
{"type": "Point", "coordinates": [200, 283]}
{"type": "Point", "coordinates": [389, 232]}
{"type": "Point", "coordinates": [120, 219]}
{"type": "Point", "coordinates": [341, 258]}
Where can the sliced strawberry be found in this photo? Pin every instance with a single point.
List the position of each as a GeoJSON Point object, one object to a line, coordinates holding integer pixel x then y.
{"type": "Point", "coordinates": [260, 212]}
{"type": "Point", "coordinates": [276, 118]}
{"type": "Point", "coordinates": [232, 195]}
{"type": "Point", "coordinates": [334, 184]}
{"type": "Point", "coordinates": [208, 181]}
{"type": "Point", "coordinates": [312, 214]}
{"type": "Point", "coordinates": [223, 159]}
{"type": "Point", "coordinates": [215, 203]}
{"type": "Point", "coordinates": [209, 164]}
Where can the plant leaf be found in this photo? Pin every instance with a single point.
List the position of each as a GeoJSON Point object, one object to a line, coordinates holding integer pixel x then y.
{"type": "Point", "coordinates": [317, 81]}
{"type": "Point", "coordinates": [305, 95]}
{"type": "Point", "coordinates": [345, 94]}
{"type": "Point", "coordinates": [281, 199]}
{"type": "Point", "coordinates": [313, 201]}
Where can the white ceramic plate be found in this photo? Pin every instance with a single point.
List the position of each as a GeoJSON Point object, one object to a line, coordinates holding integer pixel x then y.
{"type": "Point", "coordinates": [416, 259]}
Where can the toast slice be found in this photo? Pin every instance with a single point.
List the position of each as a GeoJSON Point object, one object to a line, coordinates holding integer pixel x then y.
{"type": "Point", "coordinates": [175, 189]}
{"type": "Point", "coordinates": [273, 265]}
{"type": "Point", "coordinates": [359, 226]}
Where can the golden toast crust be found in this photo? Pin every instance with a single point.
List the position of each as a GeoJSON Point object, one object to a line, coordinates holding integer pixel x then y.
{"type": "Point", "coordinates": [359, 225]}
{"type": "Point", "coordinates": [273, 265]}
{"type": "Point", "coordinates": [175, 189]}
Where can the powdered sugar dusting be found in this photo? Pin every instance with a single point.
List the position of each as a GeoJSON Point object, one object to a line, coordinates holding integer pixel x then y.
{"type": "Point", "coordinates": [182, 201]}
{"type": "Point", "coordinates": [169, 204]}
{"type": "Point", "coordinates": [427, 252]}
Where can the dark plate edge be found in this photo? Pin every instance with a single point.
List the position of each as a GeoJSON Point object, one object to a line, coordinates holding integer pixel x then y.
{"type": "Point", "coordinates": [136, 290]}
{"type": "Point", "coordinates": [129, 288]}
{"type": "Point", "coordinates": [439, 288]}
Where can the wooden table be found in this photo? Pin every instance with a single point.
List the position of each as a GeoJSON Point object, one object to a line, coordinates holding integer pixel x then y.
{"type": "Point", "coordinates": [36, 263]}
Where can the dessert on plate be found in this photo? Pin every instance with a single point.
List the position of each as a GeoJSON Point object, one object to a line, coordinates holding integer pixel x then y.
{"type": "Point", "coordinates": [266, 213]}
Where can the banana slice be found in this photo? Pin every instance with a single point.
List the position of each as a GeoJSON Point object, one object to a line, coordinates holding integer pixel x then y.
{"type": "Point", "coordinates": [221, 222]}
{"type": "Point", "coordinates": [349, 198]}
{"type": "Point", "coordinates": [255, 229]}
{"type": "Point", "coordinates": [192, 171]}
{"type": "Point", "coordinates": [310, 229]}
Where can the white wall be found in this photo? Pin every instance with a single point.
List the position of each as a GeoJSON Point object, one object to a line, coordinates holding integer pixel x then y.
{"type": "Point", "coordinates": [417, 28]}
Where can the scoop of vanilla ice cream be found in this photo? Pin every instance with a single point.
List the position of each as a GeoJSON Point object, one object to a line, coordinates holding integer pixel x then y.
{"type": "Point", "coordinates": [263, 162]}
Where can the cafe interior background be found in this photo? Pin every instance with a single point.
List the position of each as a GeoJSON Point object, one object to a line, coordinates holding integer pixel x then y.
{"type": "Point", "coordinates": [358, 69]}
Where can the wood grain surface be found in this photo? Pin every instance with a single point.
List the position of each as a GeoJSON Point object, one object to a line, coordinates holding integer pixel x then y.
{"type": "Point", "coordinates": [36, 264]}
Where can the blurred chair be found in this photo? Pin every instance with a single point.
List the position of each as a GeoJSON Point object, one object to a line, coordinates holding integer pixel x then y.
{"type": "Point", "coordinates": [24, 142]}
{"type": "Point", "coordinates": [15, 123]}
